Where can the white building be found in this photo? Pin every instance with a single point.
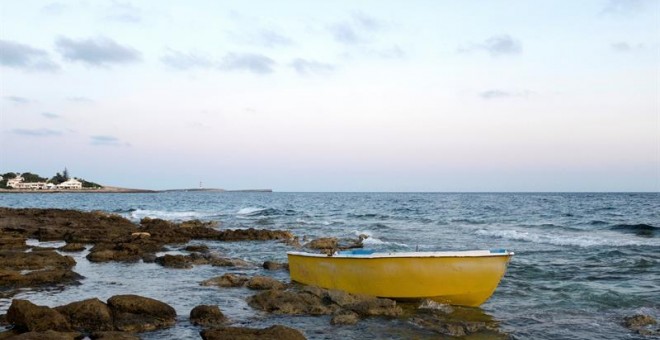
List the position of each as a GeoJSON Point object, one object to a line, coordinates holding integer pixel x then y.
{"type": "Point", "coordinates": [70, 184]}
{"type": "Point", "coordinates": [31, 186]}
{"type": "Point", "coordinates": [13, 182]}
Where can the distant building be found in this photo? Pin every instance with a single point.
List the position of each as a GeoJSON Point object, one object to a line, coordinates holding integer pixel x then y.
{"type": "Point", "coordinates": [13, 182]}
{"type": "Point", "coordinates": [31, 185]}
{"type": "Point", "coordinates": [70, 184]}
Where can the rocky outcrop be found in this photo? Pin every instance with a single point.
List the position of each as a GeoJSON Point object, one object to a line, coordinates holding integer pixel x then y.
{"type": "Point", "coordinates": [277, 332]}
{"type": "Point", "coordinates": [272, 265]}
{"type": "Point", "coordinates": [226, 280]}
{"type": "Point", "coordinates": [264, 283]}
{"type": "Point", "coordinates": [642, 324]}
{"type": "Point", "coordinates": [72, 247]}
{"type": "Point", "coordinates": [28, 317]}
{"type": "Point", "coordinates": [36, 268]}
{"type": "Point", "coordinates": [187, 261]}
{"type": "Point", "coordinates": [123, 313]}
{"type": "Point", "coordinates": [46, 335]}
{"type": "Point", "coordinates": [88, 315]}
{"type": "Point", "coordinates": [207, 315]}
{"type": "Point", "coordinates": [317, 301]}
{"type": "Point", "coordinates": [455, 321]}
{"type": "Point", "coordinates": [133, 313]}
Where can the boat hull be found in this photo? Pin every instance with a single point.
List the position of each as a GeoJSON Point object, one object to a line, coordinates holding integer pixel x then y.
{"type": "Point", "coordinates": [458, 280]}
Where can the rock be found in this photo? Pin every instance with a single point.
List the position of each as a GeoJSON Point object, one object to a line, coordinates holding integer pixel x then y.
{"type": "Point", "coordinates": [73, 247]}
{"type": "Point", "coordinates": [276, 332]}
{"type": "Point", "coordinates": [272, 265]}
{"type": "Point", "coordinates": [264, 282]}
{"type": "Point", "coordinates": [227, 262]}
{"type": "Point", "coordinates": [207, 315]}
{"type": "Point", "coordinates": [345, 318]}
{"type": "Point", "coordinates": [68, 225]}
{"type": "Point", "coordinates": [641, 324]}
{"type": "Point", "coordinates": [88, 315]}
{"type": "Point", "coordinates": [133, 313]}
{"type": "Point", "coordinates": [13, 278]}
{"type": "Point", "coordinates": [199, 248]}
{"type": "Point", "coordinates": [291, 303]}
{"type": "Point", "coordinates": [375, 307]}
{"type": "Point", "coordinates": [47, 335]}
{"type": "Point", "coordinates": [124, 252]}
{"type": "Point", "coordinates": [19, 260]}
{"type": "Point", "coordinates": [112, 335]}
{"type": "Point", "coordinates": [28, 317]}
{"type": "Point", "coordinates": [174, 261]}
{"type": "Point", "coordinates": [12, 242]}
{"type": "Point", "coordinates": [456, 321]}
{"type": "Point", "coordinates": [323, 243]}
{"type": "Point", "coordinates": [226, 280]}
{"type": "Point", "coordinates": [140, 234]}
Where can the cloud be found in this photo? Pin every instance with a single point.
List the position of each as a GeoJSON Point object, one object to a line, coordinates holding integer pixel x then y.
{"type": "Point", "coordinates": [270, 38]}
{"type": "Point", "coordinates": [20, 56]}
{"type": "Point", "coordinates": [98, 51]}
{"type": "Point", "coordinates": [54, 8]}
{"type": "Point", "coordinates": [356, 29]}
{"type": "Point", "coordinates": [496, 46]}
{"type": "Point", "coordinates": [498, 94]}
{"type": "Point", "coordinates": [625, 7]}
{"type": "Point", "coordinates": [306, 67]}
{"type": "Point", "coordinates": [18, 100]}
{"type": "Point", "coordinates": [185, 61]}
{"type": "Point", "coordinates": [623, 46]}
{"type": "Point", "coordinates": [36, 132]}
{"type": "Point", "coordinates": [80, 100]}
{"type": "Point", "coordinates": [255, 63]}
{"type": "Point", "coordinates": [106, 140]}
{"type": "Point", "coordinates": [124, 12]}
{"type": "Point", "coordinates": [50, 115]}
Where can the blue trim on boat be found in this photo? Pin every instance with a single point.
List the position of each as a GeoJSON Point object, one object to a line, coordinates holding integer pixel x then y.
{"type": "Point", "coordinates": [498, 251]}
{"type": "Point", "coordinates": [357, 252]}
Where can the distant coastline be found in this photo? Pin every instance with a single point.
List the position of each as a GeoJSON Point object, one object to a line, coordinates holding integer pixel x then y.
{"type": "Point", "coordinates": [118, 190]}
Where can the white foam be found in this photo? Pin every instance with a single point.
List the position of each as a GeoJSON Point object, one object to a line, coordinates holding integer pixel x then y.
{"type": "Point", "coordinates": [372, 241]}
{"type": "Point", "coordinates": [579, 240]}
{"type": "Point", "coordinates": [166, 215]}
{"type": "Point", "coordinates": [249, 211]}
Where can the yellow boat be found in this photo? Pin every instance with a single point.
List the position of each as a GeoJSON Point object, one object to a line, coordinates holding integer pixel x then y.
{"type": "Point", "coordinates": [466, 278]}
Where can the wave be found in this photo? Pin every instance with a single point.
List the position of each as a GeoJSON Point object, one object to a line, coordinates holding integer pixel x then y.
{"type": "Point", "coordinates": [138, 214]}
{"type": "Point", "coordinates": [372, 241]}
{"type": "Point", "coordinates": [253, 211]}
{"type": "Point", "coordinates": [643, 230]}
{"type": "Point", "coordinates": [563, 240]}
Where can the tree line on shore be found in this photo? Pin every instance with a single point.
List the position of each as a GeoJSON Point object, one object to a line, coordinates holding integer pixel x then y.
{"type": "Point", "coordinates": [59, 178]}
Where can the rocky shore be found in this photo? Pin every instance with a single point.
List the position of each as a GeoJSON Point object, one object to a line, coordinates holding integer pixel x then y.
{"type": "Point", "coordinates": [112, 238]}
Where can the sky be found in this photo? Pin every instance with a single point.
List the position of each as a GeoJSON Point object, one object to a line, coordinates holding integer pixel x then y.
{"type": "Point", "coordinates": [334, 95]}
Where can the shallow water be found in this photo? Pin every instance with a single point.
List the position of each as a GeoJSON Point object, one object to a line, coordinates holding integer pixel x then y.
{"type": "Point", "coordinates": [583, 261]}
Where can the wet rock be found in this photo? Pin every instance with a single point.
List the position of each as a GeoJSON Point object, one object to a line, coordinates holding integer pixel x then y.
{"type": "Point", "coordinates": [88, 315]}
{"type": "Point", "coordinates": [28, 317]}
{"type": "Point", "coordinates": [112, 335]}
{"type": "Point", "coordinates": [317, 301]}
{"type": "Point", "coordinates": [175, 261]}
{"type": "Point", "coordinates": [276, 332]}
{"type": "Point", "coordinates": [264, 282]}
{"type": "Point", "coordinates": [291, 303]}
{"type": "Point", "coordinates": [207, 315]}
{"type": "Point", "coordinates": [133, 313]}
{"type": "Point", "coordinates": [323, 243]}
{"type": "Point", "coordinates": [456, 321]}
{"type": "Point", "coordinates": [12, 242]}
{"type": "Point", "coordinates": [228, 262]}
{"type": "Point", "coordinates": [68, 225]}
{"type": "Point", "coordinates": [123, 252]}
{"type": "Point", "coordinates": [47, 335]}
{"type": "Point", "coordinates": [73, 247]}
{"type": "Point", "coordinates": [199, 248]}
{"type": "Point", "coordinates": [345, 318]}
{"type": "Point", "coordinates": [641, 324]}
{"type": "Point", "coordinates": [226, 280]}
{"type": "Point", "coordinates": [19, 260]}
{"type": "Point", "coordinates": [272, 265]}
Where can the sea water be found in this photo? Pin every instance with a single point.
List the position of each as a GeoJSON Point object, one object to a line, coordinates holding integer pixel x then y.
{"type": "Point", "coordinates": [583, 260]}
